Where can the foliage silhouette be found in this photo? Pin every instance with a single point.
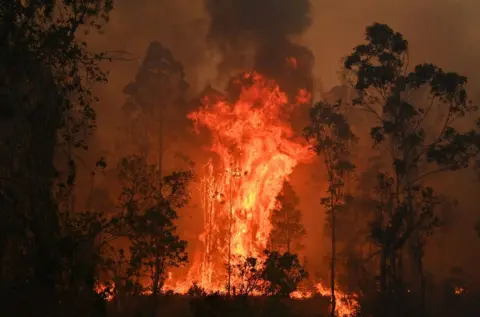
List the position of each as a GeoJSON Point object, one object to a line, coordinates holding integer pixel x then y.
{"type": "Point", "coordinates": [414, 113]}
{"type": "Point", "coordinates": [288, 229]}
{"type": "Point", "coordinates": [330, 135]}
{"type": "Point", "coordinates": [46, 105]}
{"type": "Point", "coordinates": [149, 209]}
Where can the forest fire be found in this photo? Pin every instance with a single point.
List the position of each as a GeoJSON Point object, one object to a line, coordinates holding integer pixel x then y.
{"type": "Point", "coordinates": [257, 150]}
{"type": "Point", "coordinates": [98, 216]}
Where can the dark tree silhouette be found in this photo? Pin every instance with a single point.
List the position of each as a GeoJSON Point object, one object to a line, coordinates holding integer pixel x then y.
{"type": "Point", "coordinates": [288, 230]}
{"type": "Point", "coordinates": [45, 91]}
{"type": "Point", "coordinates": [278, 274]}
{"type": "Point", "coordinates": [420, 137]}
{"type": "Point", "coordinates": [154, 101]}
{"type": "Point", "coordinates": [330, 135]}
{"type": "Point", "coordinates": [282, 273]}
{"type": "Point", "coordinates": [149, 221]}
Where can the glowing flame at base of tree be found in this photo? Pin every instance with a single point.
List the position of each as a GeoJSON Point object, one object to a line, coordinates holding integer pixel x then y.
{"type": "Point", "coordinates": [346, 304]}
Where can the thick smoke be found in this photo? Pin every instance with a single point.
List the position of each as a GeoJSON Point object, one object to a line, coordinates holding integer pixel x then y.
{"type": "Point", "coordinates": [260, 34]}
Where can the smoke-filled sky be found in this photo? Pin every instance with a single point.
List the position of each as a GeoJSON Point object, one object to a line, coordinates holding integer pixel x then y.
{"type": "Point", "coordinates": [441, 31]}
{"type": "Point", "coordinates": [444, 32]}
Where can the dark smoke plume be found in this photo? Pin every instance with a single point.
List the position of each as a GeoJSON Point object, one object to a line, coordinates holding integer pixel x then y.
{"type": "Point", "coordinates": [265, 29]}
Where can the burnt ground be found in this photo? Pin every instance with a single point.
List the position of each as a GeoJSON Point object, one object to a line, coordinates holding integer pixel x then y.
{"type": "Point", "coordinates": [465, 305]}
{"type": "Point", "coordinates": [188, 306]}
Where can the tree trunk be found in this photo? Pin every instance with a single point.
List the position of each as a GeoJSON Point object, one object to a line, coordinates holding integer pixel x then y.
{"type": "Point", "coordinates": [416, 247]}
{"type": "Point", "coordinates": [417, 252]}
{"type": "Point", "coordinates": [44, 122]}
{"type": "Point", "coordinates": [160, 145]}
{"type": "Point", "coordinates": [3, 248]}
{"type": "Point", "coordinates": [396, 290]}
{"type": "Point", "coordinates": [399, 284]}
{"type": "Point", "coordinates": [230, 238]}
{"type": "Point", "coordinates": [287, 225]}
{"type": "Point", "coordinates": [383, 272]}
{"type": "Point", "coordinates": [423, 286]}
{"type": "Point", "coordinates": [385, 296]}
{"type": "Point", "coordinates": [156, 281]}
{"type": "Point", "coordinates": [332, 281]}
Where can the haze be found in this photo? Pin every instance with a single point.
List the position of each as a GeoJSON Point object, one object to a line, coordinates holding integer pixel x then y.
{"type": "Point", "coordinates": [444, 32]}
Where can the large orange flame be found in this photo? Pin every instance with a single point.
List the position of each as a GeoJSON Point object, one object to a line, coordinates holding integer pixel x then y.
{"type": "Point", "coordinates": [257, 150]}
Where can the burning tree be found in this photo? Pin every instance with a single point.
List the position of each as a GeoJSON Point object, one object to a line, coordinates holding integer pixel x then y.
{"type": "Point", "coordinates": [256, 150]}
{"type": "Point", "coordinates": [287, 228]}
